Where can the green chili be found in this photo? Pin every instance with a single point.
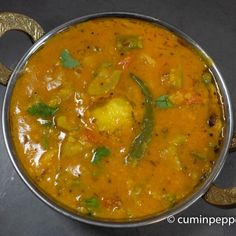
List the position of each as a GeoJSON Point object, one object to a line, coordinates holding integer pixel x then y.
{"type": "Point", "coordinates": [140, 142]}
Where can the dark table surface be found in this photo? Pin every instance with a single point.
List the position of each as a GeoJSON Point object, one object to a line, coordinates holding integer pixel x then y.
{"type": "Point", "coordinates": [212, 23]}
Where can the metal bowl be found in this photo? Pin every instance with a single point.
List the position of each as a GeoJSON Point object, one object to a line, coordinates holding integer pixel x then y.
{"type": "Point", "coordinates": [214, 195]}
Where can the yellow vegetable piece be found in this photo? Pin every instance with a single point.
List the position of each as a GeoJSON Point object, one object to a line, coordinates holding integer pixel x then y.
{"type": "Point", "coordinates": [177, 98]}
{"type": "Point", "coordinates": [65, 92]}
{"type": "Point", "coordinates": [176, 77]}
{"type": "Point", "coordinates": [72, 147]}
{"type": "Point", "coordinates": [180, 139]}
{"type": "Point", "coordinates": [105, 80]}
{"type": "Point", "coordinates": [47, 158]}
{"type": "Point", "coordinates": [63, 123]}
{"type": "Point", "coordinates": [115, 114]}
{"type": "Point", "coordinates": [148, 60]}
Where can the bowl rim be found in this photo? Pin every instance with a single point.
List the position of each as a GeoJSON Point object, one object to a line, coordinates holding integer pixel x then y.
{"type": "Point", "coordinates": [186, 202]}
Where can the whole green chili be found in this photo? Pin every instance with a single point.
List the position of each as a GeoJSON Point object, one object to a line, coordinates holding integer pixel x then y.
{"type": "Point", "coordinates": [141, 141]}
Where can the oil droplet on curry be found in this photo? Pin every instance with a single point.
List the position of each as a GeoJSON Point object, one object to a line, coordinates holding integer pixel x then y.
{"type": "Point", "coordinates": [116, 118]}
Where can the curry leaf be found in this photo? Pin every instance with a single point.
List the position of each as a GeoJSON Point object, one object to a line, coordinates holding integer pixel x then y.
{"type": "Point", "coordinates": [41, 109]}
{"type": "Point", "coordinates": [99, 154]}
{"type": "Point", "coordinates": [67, 60]}
{"type": "Point", "coordinates": [163, 102]}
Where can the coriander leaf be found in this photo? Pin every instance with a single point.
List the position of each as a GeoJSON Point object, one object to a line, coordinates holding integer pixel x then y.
{"type": "Point", "coordinates": [42, 109]}
{"type": "Point", "coordinates": [92, 202]}
{"type": "Point", "coordinates": [99, 154]}
{"type": "Point", "coordinates": [163, 102]}
{"type": "Point", "coordinates": [67, 60]}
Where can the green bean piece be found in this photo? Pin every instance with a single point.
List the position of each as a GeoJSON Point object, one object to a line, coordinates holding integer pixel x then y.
{"type": "Point", "coordinates": [141, 141]}
{"type": "Point", "coordinates": [129, 42]}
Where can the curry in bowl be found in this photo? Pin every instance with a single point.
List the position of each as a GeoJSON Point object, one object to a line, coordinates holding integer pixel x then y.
{"type": "Point", "coordinates": [117, 118]}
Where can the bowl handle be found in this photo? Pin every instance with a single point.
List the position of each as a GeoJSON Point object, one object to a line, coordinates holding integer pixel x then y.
{"type": "Point", "coordinates": [225, 197]}
{"type": "Point", "coordinates": [15, 21]}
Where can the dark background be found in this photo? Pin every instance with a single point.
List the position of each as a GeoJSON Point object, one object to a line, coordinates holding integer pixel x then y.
{"type": "Point", "coordinates": [211, 23]}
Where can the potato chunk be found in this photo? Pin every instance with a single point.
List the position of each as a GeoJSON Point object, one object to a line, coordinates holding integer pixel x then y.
{"type": "Point", "coordinates": [64, 123]}
{"type": "Point", "coordinates": [73, 146]}
{"type": "Point", "coordinates": [115, 114]}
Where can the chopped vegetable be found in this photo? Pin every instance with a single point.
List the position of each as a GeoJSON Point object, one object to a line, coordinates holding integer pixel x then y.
{"type": "Point", "coordinates": [72, 146]}
{"type": "Point", "coordinates": [67, 60]}
{"type": "Point", "coordinates": [106, 64]}
{"type": "Point", "coordinates": [140, 143]}
{"type": "Point", "coordinates": [136, 190]}
{"type": "Point", "coordinates": [171, 155]}
{"type": "Point", "coordinates": [180, 139]}
{"type": "Point", "coordinates": [176, 77]}
{"type": "Point", "coordinates": [92, 202]}
{"type": "Point", "coordinates": [64, 93]}
{"type": "Point", "coordinates": [199, 155]}
{"type": "Point", "coordinates": [90, 205]}
{"type": "Point", "coordinates": [42, 110]}
{"type": "Point", "coordinates": [45, 123]}
{"type": "Point", "coordinates": [115, 114]}
{"type": "Point", "coordinates": [99, 154]}
{"type": "Point", "coordinates": [47, 158]}
{"type": "Point", "coordinates": [64, 123]}
{"type": "Point", "coordinates": [170, 198]}
{"type": "Point", "coordinates": [163, 102]}
{"type": "Point", "coordinates": [206, 78]}
{"type": "Point", "coordinates": [66, 180]}
{"type": "Point", "coordinates": [129, 42]}
{"type": "Point", "coordinates": [45, 142]}
{"type": "Point", "coordinates": [148, 60]}
{"type": "Point", "coordinates": [53, 84]}
{"type": "Point", "coordinates": [177, 98]}
{"type": "Point", "coordinates": [105, 80]}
